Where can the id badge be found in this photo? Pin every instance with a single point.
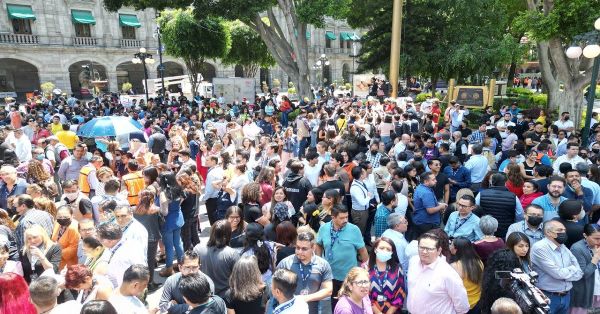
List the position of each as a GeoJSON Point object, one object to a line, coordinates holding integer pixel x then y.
{"type": "Point", "coordinates": [304, 292]}
{"type": "Point", "coordinates": [381, 298]}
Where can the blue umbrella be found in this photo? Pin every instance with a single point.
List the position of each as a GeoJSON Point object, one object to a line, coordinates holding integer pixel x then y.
{"type": "Point", "coordinates": [109, 126]}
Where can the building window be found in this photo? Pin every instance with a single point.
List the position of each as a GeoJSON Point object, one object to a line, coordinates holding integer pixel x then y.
{"type": "Point", "coordinates": [349, 44]}
{"type": "Point", "coordinates": [342, 43]}
{"type": "Point", "coordinates": [21, 26]}
{"type": "Point", "coordinates": [327, 43]}
{"type": "Point", "coordinates": [128, 32]}
{"type": "Point", "coordinates": [83, 30]}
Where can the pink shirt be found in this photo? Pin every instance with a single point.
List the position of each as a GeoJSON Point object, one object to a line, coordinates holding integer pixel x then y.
{"type": "Point", "coordinates": [438, 286]}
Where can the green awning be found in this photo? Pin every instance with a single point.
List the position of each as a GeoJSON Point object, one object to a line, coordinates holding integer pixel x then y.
{"type": "Point", "coordinates": [83, 17]}
{"type": "Point", "coordinates": [330, 35]}
{"type": "Point", "coordinates": [307, 34]}
{"type": "Point", "coordinates": [345, 36]}
{"type": "Point", "coordinates": [129, 20]}
{"type": "Point", "coordinates": [355, 37]}
{"type": "Point", "coordinates": [20, 12]}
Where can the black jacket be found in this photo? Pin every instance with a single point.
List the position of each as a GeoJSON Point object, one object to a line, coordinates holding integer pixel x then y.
{"type": "Point", "coordinates": [7, 155]}
{"type": "Point", "coordinates": [296, 188]}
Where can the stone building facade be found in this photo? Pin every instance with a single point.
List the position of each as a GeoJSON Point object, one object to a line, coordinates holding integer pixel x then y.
{"type": "Point", "coordinates": [63, 41]}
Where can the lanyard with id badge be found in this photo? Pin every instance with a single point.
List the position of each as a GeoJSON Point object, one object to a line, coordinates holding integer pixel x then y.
{"type": "Point", "coordinates": [304, 277]}
{"type": "Point", "coordinates": [380, 282]}
{"type": "Point", "coordinates": [335, 234]}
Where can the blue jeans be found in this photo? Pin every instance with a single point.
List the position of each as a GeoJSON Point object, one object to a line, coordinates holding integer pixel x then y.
{"type": "Point", "coordinates": [172, 239]}
{"type": "Point", "coordinates": [303, 145]}
{"type": "Point", "coordinates": [284, 118]}
{"type": "Point", "coordinates": [386, 139]}
{"type": "Point", "coordinates": [313, 139]}
{"type": "Point", "coordinates": [558, 304]}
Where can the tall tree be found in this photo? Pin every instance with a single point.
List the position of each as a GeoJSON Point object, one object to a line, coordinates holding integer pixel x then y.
{"type": "Point", "coordinates": [440, 39]}
{"type": "Point", "coordinates": [285, 18]}
{"type": "Point", "coordinates": [554, 24]}
{"type": "Point", "coordinates": [247, 50]}
{"type": "Point", "coordinates": [181, 33]}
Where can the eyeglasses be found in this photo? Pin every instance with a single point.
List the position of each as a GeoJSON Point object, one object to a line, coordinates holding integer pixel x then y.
{"type": "Point", "coordinates": [121, 216]}
{"type": "Point", "coordinates": [363, 283]}
{"type": "Point", "coordinates": [427, 249]}
{"type": "Point", "coordinates": [234, 217]}
{"type": "Point", "coordinates": [87, 229]}
{"type": "Point", "coordinates": [304, 249]}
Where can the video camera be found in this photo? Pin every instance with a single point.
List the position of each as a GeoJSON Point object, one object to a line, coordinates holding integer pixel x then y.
{"type": "Point", "coordinates": [530, 299]}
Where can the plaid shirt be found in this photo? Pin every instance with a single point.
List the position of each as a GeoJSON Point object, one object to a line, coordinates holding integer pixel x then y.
{"type": "Point", "coordinates": [32, 217]}
{"type": "Point", "coordinates": [374, 159]}
{"type": "Point", "coordinates": [476, 137]}
{"type": "Point", "coordinates": [380, 221]}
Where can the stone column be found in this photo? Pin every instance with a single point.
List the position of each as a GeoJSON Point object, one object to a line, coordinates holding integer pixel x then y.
{"type": "Point", "coordinates": [112, 81]}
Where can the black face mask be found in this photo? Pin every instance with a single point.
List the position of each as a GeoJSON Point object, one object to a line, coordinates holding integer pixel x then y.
{"type": "Point", "coordinates": [595, 150]}
{"type": "Point", "coordinates": [534, 220]}
{"type": "Point", "coordinates": [584, 156]}
{"type": "Point", "coordinates": [561, 237]}
{"type": "Point", "coordinates": [567, 118]}
{"type": "Point", "coordinates": [418, 158]}
{"type": "Point", "coordinates": [64, 221]}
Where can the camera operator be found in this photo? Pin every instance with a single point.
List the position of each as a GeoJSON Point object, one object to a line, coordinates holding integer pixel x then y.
{"type": "Point", "coordinates": [587, 253]}
{"type": "Point", "coordinates": [556, 266]}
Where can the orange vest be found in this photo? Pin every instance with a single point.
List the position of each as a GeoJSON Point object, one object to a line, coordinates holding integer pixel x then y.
{"type": "Point", "coordinates": [84, 184]}
{"type": "Point", "coordinates": [134, 183]}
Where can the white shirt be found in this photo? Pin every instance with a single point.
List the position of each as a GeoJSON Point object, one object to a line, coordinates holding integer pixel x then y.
{"type": "Point", "coordinates": [402, 201]}
{"type": "Point", "coordinates": [23, 149]}
{"type": "Point", "coordinates": [137, 233]}
{"type": "Point", "coordinates": [127, 304]}
{"type": "Point", "coordinates": [67, 307]}
{"type": "Point", "coordinates": [563, 125]}
{"type": "Point", "coordinates": [121, 256]}
{"type": "Point", "coordinates": [565, 158]}
{"type": "Point", "coordinates": [312, 173]}
{"type": "Point", "coordinates": [293, 306]}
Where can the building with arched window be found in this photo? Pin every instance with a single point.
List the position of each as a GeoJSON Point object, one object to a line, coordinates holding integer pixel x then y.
{"type": "Point", "coordinates": [73, 42]}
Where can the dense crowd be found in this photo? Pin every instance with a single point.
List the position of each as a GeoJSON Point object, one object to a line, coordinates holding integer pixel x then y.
{"type": "Point", "coordinates": [338, 205]}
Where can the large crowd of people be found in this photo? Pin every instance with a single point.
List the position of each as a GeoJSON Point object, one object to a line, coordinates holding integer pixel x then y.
{"type": "Point", "coordinates": [341, 205]}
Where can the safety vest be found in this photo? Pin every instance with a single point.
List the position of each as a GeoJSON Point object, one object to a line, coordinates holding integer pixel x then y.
{"type": "Point", "coordinates": [134, 183]}
{"type": "Point", "coordinates": [84, 184]}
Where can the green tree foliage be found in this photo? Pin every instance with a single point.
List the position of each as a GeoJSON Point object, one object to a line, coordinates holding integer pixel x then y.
{"type": "Point", "coordinates": [247, 50]}
{"type": "Point", "coordinates": [554, 25]}
{"type": "Point", "coordinates": [289, 51]}
{"type": "Point", "coordinates": [192, 40]}
{"type": "Point", "coordinates": [440, 39]}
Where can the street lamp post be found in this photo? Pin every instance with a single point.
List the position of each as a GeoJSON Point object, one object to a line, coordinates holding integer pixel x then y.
{"type": "Point", "coordinates": [316, 67]}
{"type": "Point", "coordinates": [590, 51]}
{"type": "Point", "coordinates": [323, 62]}
{"type": "Point", "coordinates": [353, 55]}
{"type": "Point", "coordinates": [90, 68]}
{"type": "Point", "coordinates": [161, 67]}
{"type": "Point", "coordinates": [144, 58]}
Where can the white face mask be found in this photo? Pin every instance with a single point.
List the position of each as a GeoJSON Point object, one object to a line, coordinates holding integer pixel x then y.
{"type": "Point", "coordinates": [71, 196]}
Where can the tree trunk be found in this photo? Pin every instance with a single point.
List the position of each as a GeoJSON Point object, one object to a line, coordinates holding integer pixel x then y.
{"type": "Point", "coordinates": [511, 74]}
{"type": "Point", "coordinates": [571, 101]}
{"type": "Point", "coordinates": [194, 67]}
{"type": "Point", "coordinates": [290, 52]}
{"type": "Point", "coordinates": [434, 80]}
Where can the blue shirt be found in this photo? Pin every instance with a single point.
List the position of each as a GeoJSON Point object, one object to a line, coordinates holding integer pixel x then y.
{"type": "Point", "coordinates": [19, 188]}
{"type": "Point", "coordinates": [340, 251]}
{"type": "Point", "coordinates": [587, 198]}
{"type": "Point", "coordinates": [380, 221]}
{"type": "Point", "coordinates": [556, 266]}
{"type": "Point", "coordinates": [424, 198]}
{"type": "Point", "coordinates": [401, 244]}
{"type": "Point", "coordinates": [467, 227]}
{"type": "Point", "coordinates": [461, 175]}
{"type": "Point", "coordinates": [550, 211]}
{"type": "Point", "coordinates": [478, 166]}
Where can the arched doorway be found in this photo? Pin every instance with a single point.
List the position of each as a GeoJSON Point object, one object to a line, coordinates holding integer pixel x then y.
{"type": "Point", "coordinates": [131, 73]}
{"type": "Point", "coordinates": [208, 71]}
{"type": "Point", "coordinates": [346, 73]}
{"type": "Point", "coordinates": [19, 77]}
{"type": "Point", "coordinates": [171, 69]}
{"type": "Point", "coordinates": [238, 71]}
{"type": "Point", "coordinates": [82, 73]}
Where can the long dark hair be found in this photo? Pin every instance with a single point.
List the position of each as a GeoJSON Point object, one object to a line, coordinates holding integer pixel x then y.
{"type": "Point", "coordinates": [220, 234]}
{"type": "Point", "coordinates": [393, 262]}
{"type": "Point", "coordinates": [168, 183]}
{"type": "Point", "coordinates": [469, 260]}
{"type": "Point", "coordinates": [491, 288]}
{"type": "Point", "coordinates": [514, 239]}
{"type": "Point", "coordinates": [255, 241]}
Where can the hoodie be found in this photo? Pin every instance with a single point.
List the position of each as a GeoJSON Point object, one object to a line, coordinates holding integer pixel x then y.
{"type": "Point", "coordinates": [296, 189]}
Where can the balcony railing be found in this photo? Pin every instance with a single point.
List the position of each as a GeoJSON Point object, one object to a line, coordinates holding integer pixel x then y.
{"type": "Point", "coordinates": [130, 43]}
{"type": "Point", "coordinates": [19, 39]}
{"type": "Point", "coordinates": [85, 41]}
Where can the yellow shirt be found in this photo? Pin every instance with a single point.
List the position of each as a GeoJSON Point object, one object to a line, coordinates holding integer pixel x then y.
{"type": "Point", "coordinates": [473, 291]}
{"type": "Point", "coordinates": [68, 138]}
{"type": "Point", "coordinates": [56, 128]}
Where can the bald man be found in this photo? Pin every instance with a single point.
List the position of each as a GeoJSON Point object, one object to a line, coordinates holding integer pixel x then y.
{"type": "Point", "coordinates": [556, 265]}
